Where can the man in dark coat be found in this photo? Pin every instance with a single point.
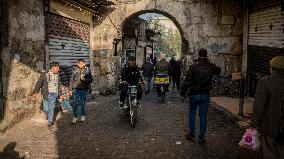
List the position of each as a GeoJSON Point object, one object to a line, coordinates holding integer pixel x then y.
{"type": "Point", "coordinates": [176, 72]}
{"type": "Point", "coordinates": [148, 72]}
{"type": "Point", "coordinates": [198, 82]}
{"type": "Point", "coordinates": [268, 110]}
{"type": "Point", "coordinates": [130, 73]}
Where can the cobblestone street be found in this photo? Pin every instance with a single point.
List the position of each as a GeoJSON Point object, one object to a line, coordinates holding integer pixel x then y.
{"type": "Point", "coordinates": [108, 134]}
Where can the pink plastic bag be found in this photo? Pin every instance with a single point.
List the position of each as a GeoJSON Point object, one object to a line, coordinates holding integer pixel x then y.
{"type": "Point", "coordinates": [250, 140]}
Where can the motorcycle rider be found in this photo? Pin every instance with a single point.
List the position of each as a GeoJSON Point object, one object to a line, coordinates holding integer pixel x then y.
{"type": "Point", "coordinates": [162, 67]}
{"type": "Point", "coordinates": [132, 76]}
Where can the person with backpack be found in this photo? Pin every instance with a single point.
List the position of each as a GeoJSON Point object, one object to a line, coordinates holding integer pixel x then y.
{"type": "Point", "coordinates": [81, 79]}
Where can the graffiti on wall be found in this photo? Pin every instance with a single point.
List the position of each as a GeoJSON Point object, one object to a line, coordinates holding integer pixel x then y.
{"type": "Point", "coordinates": [216, 48]}
{"type": "Point", "coordinates": [103, 52]}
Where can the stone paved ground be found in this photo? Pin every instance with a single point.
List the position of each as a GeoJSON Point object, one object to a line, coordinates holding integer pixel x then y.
{"type": "Point", "coordinates": [107, 134]}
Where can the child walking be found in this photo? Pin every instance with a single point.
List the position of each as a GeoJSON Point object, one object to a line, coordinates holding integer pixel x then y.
{"type": "Point", "coordinates": [64, 99]}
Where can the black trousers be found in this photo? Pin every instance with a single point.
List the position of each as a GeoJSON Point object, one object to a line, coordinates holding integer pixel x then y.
{"type": "Point", "coordinates": [176, 82]}
{"type": "Point", "coordinates": [158, 88]}
{"type": "Point", "coordinates": [124, 90]}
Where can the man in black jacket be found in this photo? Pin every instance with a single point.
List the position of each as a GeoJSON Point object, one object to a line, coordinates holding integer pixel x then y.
{"type": "Point", "coordinates": [48, 83]}
{"type": "Point", "coordinates": [148, 72]}
{"type": "Point", "coordinates": [130, 74]}
{"type": "Point", "coordinates": [198, 82]}
{"type": "Point", "coordinates": [81, 79]}
{"type": "Point", "coordinates": [176, 72]}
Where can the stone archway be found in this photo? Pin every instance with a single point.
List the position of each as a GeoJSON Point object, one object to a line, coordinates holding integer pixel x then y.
{"type": "Point", "coordinates": [214, 25]}
{"type": "Point", "coordinates": [184, 39]}
{"type": "Point", "coordinates": [110, 27]}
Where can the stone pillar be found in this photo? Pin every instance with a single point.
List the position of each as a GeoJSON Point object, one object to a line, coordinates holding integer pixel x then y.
{"type": "Point", "coordinates": [23, 58]}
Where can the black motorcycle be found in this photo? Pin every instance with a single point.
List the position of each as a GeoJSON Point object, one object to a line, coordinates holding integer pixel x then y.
{"type": "Point", "coordinates": [131, 104]}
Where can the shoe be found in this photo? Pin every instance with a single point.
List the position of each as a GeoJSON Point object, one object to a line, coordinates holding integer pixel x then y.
{"type": "Point", "coordinates": [83, 118]}
{"type": "Point", "coordinates": [50, 127]}
{"type": "Point", "coordinates": [65, 111]}
{"type": "Point", "coordinates": [138, 103]}
{"type": "Point", "coordinates": [74, 121]}
{"type": "Point", "coordinates": [202, 142]}
{"type": "Point", "coordinates": [121, 105]}
{"type": "Point", "coordinates": [189, 137]}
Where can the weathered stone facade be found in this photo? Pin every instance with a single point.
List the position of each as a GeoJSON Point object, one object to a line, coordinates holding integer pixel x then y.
{"type": "Point", "coordinates": [22, 53]}
{"type": "Point", "coordinates": [214, 25]}
{"type": "Point", "coordinates": [106, 70]}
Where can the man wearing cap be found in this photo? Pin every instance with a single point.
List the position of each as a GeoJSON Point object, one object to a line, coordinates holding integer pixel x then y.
{"type": "Point", "coordinates": [130, 74]}
{"type": "Point", "coordinates": [198, 82]}
{"type": "Point", "coordinates": [268, 110]}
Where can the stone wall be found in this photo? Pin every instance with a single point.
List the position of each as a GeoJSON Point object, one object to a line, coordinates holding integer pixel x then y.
{"type": "Point", "coordinates": [23, 57]}
{"type": "Point", "coordinates": [214, 25]}
{"type": "Point", "coordinates": [106, 70]}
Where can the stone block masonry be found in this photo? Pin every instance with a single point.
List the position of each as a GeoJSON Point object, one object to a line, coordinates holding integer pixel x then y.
{"type": "Point", "coordinates": [214, 25]}
{"type": "Point", "coordinates": [23, 57]}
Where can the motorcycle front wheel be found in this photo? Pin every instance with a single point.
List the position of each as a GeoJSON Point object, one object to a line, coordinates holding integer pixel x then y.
{"type": "Point", "coordinates": [133, 115]}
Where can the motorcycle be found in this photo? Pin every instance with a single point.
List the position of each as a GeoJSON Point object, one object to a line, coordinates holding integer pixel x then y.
{"type": "Point", "coordinates": [162, 82]}
{"type": "Point", "coordinates": [131, 104]}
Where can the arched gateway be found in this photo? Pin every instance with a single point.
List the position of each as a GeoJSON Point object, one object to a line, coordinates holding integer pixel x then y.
{"type": "Point", "coordinates": [202, 24]}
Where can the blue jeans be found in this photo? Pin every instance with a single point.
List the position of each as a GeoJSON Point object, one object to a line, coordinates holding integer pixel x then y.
{"type": "Point", "coordinates": [201, 101]}
{"type": "Point", "coordinates": [49, 105]}
{"type": "Point", "coordinates": [79, 95]}
{"type": "Point", "coordinates": [66, 105]}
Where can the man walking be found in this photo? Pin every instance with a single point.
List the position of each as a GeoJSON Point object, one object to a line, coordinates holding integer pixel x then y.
{"type": "Point", "coordinates": [176, 72]}
{"type": "Point", "coordinates": [81, 79]}
{"type": "Point", "coordinates": [48, 83]}
{"type": "Point", "coordinates": [198, 82]}
{"type": "Point", "coordinates": [148, 70]}
{"type": "Point", "coordinates": [163, 67]}
{"type": "Point", "coordinates": [268, 110]}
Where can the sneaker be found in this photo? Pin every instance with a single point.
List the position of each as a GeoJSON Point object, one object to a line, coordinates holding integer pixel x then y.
{"type": "Point", "coordinates": [138, 103]}
{"type": "Point", "coordinates": [189, 137]}
{"type": "Point", "coordinates": [121, 104]}
{"type": "Point", "coordinates": [50, 127]}
{"type": "Point", "coordinates": [65, 111]}
{"type": "Point", "coordinates": [83, 118]}
{"type": "Point", "coordinates": [74, 121]}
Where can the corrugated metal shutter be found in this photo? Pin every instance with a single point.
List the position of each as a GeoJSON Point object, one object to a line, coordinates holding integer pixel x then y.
{"type": "Point", "coordinates": [266, 27]}
{"type": "Point", "coordinates": [68, 40]}
{"type": "Point", "coordinates": [265, 40]}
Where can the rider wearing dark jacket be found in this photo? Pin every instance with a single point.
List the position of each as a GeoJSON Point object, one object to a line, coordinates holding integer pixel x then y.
{"type": "Point", "coordinates": [130, 74]}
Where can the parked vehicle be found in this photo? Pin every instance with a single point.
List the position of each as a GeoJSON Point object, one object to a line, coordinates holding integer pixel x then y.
{"type": "Point", "coordinates": [224, 85]}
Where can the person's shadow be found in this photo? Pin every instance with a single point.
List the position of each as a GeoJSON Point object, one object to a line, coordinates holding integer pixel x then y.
{"type": "Point", "coordinates": [9, 152]}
